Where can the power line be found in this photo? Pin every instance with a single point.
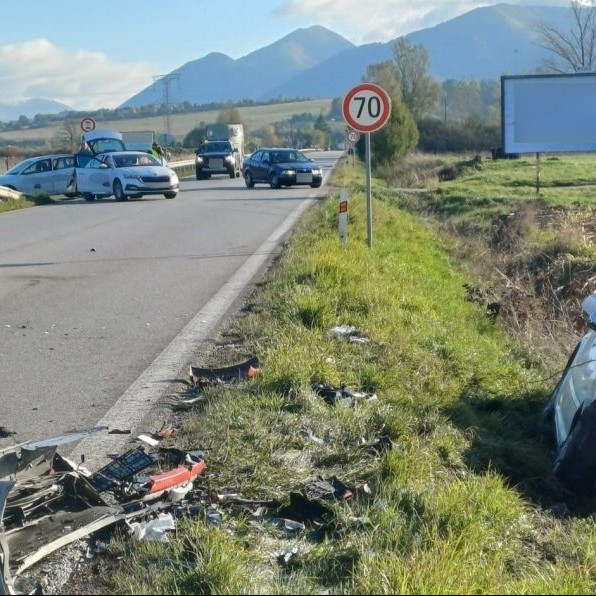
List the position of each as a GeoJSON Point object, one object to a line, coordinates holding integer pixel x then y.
{"type": "Point", "coordinates": [166, 81]}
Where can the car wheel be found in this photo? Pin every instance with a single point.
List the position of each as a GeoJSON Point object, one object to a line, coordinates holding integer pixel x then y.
{"type": "Point", "coordinates": [170, 195]}
{"type": "Point", "coordinates": [237, 173]}
{"type": "Point", "coordinates": [248, 179]}
{"type": "Point", "coordinates": [199, 175]}
{"type": "Point", "coordinates": [88, 196]}
{"type": "Point", "coordinates": [315, 185]}
{"type": "Point", "coordinates": [576, 462]}
{"type": "Point", "coordinates": [274, 181]}
{"type": "Point", "coordinates": [118, 192]}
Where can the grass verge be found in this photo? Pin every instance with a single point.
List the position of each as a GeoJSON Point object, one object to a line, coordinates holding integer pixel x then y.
{"type": "Point", "coordinates": [450, 465]}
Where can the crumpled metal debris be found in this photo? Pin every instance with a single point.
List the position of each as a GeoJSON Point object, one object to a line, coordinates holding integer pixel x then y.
{"type": "Point", "coordinates": [47, 502]}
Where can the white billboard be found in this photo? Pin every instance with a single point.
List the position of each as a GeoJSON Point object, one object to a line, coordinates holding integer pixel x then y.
{"type": "Point", "coordinates": [548, 113]}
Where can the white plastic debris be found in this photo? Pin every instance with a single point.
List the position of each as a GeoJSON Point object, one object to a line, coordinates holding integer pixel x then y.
{"type": "Point", "coordinates": [341, 331]}
{"type": "Point", "coordinates": [149, 440]}
{"type": "Point", "coordinates": [178, 493]}
{"type": "Point", "coordinates": [155, 529]}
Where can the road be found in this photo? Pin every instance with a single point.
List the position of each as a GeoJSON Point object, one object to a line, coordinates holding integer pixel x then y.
{"type": "Point", "coordinates": [92, 293]}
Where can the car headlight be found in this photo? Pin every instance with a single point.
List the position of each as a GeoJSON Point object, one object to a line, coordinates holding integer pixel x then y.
{"type": "Point", "coordinates": [316, 172]}
{"type": "Point", "coordinates": [199, 159]}
{"type": "Point", "coordinates": [229, 158]}
{"type": "Point", "coordinates": [288, 172]}
{"type": "Point", "coordinates": [174, 178]}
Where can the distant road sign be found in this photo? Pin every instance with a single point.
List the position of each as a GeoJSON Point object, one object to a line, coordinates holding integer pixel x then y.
{"type": "Point", "coordinates": [366, 107]}
{"type": "Point", "coordinates": [353, 137]}
{"type": "Point", "coordinates": [87, 124]}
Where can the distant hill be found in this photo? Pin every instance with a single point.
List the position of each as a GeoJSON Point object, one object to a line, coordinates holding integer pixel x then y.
{"type": "Point", "coordinates": [317, 63]}
{"type": "Point", "coordinates": [218, 78]}
{"type": "Point", "coordinates": [481, 44]}
{"type": "Point", "coordinates": [30, 108]}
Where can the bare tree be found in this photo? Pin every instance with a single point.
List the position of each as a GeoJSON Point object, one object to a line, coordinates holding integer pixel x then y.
{"type": "Point", "coordinates": [574, 50]}
{"type": "Point", "coordinates": [419, 91]}
{"type": "Point", "coordinates": [68, 137]}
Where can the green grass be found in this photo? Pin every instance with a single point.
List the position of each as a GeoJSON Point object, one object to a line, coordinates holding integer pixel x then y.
{"type": "Point", "coordinates": [14, 204]}
{"type": "Point", "coordinates": [459, 504]}
{"type": "Point", "coordinates": [566, 181]}
{"type": "Point", "coordinates": [180, 124]}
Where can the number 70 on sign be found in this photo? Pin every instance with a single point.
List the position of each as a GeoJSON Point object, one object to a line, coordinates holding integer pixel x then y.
{"type": "Point", "coordinates": [366, 107]}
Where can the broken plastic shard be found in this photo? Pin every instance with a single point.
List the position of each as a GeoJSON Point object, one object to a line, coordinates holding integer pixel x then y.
{"type": "Point", "coordinates": [154, 530]}
{"type": "Point", "coordinates": [289, 524]}
{"type": "Point", "coordinates": [327, 488]}
{"type": "Point", "coordinates": [237, 372]}
{"type": "Point", "coordinates": [284, 557]}
{"type": "Point", "coordinates": [123, 467]}
{"type": "Point", "coordinates": [341, 331]}
{"type": "Point", "coordinates": [64, 439]}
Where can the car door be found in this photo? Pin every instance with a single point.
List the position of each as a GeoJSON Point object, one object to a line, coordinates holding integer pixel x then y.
{"type": "Point", "coordinates": [263, 167]}
{"type": "Point", "coordinates": [36, 179]}
{"type": "Point", "coordinates": [94, 178]}
{"type": "Point", "coordinates": [250, 163]}
{"type": "Point", "coordinates": [62, 168]}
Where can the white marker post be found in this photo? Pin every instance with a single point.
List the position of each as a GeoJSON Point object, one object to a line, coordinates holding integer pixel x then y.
{"type": "Point", "coordinates": [366, 108]}
{"type": "Point", "coordinates": [343, 216]}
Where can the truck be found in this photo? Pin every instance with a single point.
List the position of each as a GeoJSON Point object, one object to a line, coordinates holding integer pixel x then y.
{"type": "Point", "coordinates": [222, 152]}
{"type": "Point", "coordinates": [141, 140]}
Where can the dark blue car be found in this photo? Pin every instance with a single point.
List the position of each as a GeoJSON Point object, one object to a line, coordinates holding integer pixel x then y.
{"type": "Point", "coordinates": [281, 167]}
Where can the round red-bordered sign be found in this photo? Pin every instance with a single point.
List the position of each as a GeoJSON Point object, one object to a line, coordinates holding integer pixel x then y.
{"type": "Point", "coordinates": [87, 124]}
{"type": "Point", "coordinates": [366, 107]}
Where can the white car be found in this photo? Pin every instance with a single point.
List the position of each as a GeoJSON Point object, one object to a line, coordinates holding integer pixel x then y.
{"type": "Point", "coordinates": [124, 174]}
{"type": "Point", "coordinates": [43, 175]}
{"type": "Point", "coordinates": [573, 407]}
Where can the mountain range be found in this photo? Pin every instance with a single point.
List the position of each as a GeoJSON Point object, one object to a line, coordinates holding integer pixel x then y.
{"type": "Point", "coordinates": [317, 63]}
{"type": "Point", "coordinates": [31, 107]}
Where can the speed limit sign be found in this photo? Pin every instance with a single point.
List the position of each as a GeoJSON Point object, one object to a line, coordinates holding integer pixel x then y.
{"type": "Point", "coordinates": [87, 124]}
{"type": "Point", "coordinates": [353, 137]}
{"type": "Point", "coordinates": [366, 107]}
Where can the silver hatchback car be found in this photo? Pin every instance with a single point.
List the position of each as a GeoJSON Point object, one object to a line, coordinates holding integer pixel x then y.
{"type": "Point", "coordinates": [573, 407]}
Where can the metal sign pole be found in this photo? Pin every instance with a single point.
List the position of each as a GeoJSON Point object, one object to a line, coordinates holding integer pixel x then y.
{"type": "Point", "coordinates": [369, 227]}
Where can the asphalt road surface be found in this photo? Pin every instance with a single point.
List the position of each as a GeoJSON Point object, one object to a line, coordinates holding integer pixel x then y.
{"type": "Point", "coordinates": [92, 292]}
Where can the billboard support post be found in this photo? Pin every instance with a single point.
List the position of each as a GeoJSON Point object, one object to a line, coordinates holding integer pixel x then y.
{"type": "Point", "coordinates": [537, 173]}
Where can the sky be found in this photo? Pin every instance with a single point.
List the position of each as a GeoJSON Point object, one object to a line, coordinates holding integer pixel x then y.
{"type": "Point", "coordinates": [92, 55]}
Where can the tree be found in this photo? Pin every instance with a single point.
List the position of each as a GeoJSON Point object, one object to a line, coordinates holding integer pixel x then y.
{"type": "Point", "coordinates": [229, 115]}
{"type": "Point", "coordinates": [396, 139]}
{"type": "Point", "coordinates": [68, 136]}
{"type": "Point", "coordinates": [196, 136]}
{"type": "Point", "coordinates": [574, 50]}
{"type": "Point", "coordinates": [418, 90]}
{"type": "Point", "coordinates": [384, 75]}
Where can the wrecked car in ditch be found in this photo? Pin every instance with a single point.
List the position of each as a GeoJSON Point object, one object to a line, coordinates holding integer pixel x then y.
{"type": "Point", "coordinates": [572, 406]}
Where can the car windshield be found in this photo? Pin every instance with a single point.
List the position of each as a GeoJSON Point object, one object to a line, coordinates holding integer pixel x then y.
{"type": "Point", "coordinates": [20, 166]}
{"type": "Point", "coordinates": [135, 159]}
{"type": "Point", "coordinates": [217, 147]}
{"type": "Point", "coordinates": [288, 156]}
{"type": "Point", "coordinates": [104, 145]}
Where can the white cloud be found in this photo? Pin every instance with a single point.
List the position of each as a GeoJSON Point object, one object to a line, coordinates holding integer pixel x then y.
{"type": "Point", "coordinates": [80, 79]}
{"type": "Point", "coordinates": [383, 20]}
